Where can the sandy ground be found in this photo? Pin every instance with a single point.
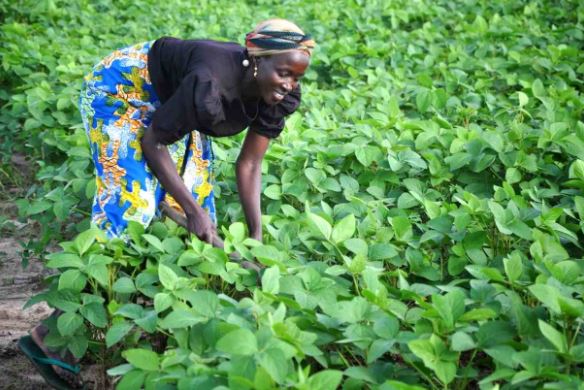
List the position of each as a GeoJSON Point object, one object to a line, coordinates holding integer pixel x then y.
{"type": "Point", "coordinates": [17, 285]}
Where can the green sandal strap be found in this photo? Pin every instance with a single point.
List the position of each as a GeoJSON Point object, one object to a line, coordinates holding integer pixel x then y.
{"type": "Point", "coordinates": [54, 362]}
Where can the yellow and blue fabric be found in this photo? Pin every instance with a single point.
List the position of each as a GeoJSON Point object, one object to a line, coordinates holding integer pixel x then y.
{"type": "Point", "coordinates": [117, 103]}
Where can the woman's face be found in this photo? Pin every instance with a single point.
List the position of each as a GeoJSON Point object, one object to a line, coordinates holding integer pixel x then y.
{"type": "Point", "coordinates": [279, 74]}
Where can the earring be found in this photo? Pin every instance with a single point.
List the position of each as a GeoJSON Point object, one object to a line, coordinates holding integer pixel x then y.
{"type": "Point", "coordinates": [245, 63]}
{"type": "Point", "coordinates": [255, 70]}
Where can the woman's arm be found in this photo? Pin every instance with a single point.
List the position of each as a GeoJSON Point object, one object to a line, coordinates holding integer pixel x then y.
{"type": "Point", "coordinates": [160, 162]}
{"type": "Point", "coordinates": [248, 172]}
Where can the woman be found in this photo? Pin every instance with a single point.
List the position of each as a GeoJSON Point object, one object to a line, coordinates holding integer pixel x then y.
{"type": "Point", "coordinates": [149, 111]}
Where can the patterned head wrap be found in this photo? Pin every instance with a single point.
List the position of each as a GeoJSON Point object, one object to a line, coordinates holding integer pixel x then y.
{"type": "Point", "coordinates": [276, 36]}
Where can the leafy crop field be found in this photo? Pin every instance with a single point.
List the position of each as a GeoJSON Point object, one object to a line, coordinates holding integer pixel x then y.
{"type": "Point", "coordinates": [423, 211]}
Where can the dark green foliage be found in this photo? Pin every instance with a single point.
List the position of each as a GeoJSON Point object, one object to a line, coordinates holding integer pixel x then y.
{"type": "Point", "coordinates": [423, 210]}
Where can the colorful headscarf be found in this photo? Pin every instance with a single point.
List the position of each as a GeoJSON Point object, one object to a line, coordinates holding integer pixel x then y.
{"type": "Point", "coordinates": [276, 36]}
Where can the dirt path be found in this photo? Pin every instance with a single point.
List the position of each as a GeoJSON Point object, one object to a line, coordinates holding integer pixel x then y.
{"type": "Point", "coordinates": [17, 285]}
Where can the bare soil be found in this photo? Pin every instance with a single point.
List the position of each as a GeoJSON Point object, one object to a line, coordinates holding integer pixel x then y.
{"type": "Point", "coordinates": [17, 285]}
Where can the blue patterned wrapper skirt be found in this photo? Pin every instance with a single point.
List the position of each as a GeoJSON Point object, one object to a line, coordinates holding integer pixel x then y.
{"type": "Point", "coordinates": [117, 103]}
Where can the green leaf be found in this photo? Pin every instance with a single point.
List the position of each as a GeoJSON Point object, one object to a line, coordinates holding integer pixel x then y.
{"type": "Point", "coordinates": [143, 359]}
{"type": "Point", "coordinates": [458, 160]}
{"type": "Point", "coordinates": [132, 380]}
{"type": "Point", "coordinates": [189, 257]}
{"type": "Point", "coordinates": [450, 306]}
{"type": "Point", "coordinates": [377, 349]}
{"type": "Point", "coordinates": [274, 361]}
{"type": "Point", "coordinates": [64, 260]}
{"type": "Point", "coordinates": [130, 310]}
{"type": "Point", "coordinates": [423, 99]}
{"type": "Point", "coordinates": [98, 272]}
{"type": "Point", "coordinates": [548, 295]}
{"type": "Point", "coordinates": [173, 245]}
{"type": "Point", "coordinates": [513, 266]}
{"type": "Point", "coordinates": [357, 245]}
{"type": "Point", "coordinates": [485, 273]}
{"type": "Point", "coordinates": [154, 242]}
{"type": "Point", "coordinates": [148, 321]}
{"type": "Point", "coordinates": [237, 231]}
{"type": "Point", "coordinates": [316, 176]}
{"type": "Point", "coordinates": [435, 356]}
{"type": "Point", "coordinates": [577, 170]}
{"type": "Point", "coordinates": [84, 240]}
{"type": "Point", "coordinates": [167, 276]}
{"type": "Point", "coordinates": [68, 323]}
{"type": "Point", "coordinates": [72, 279]}
{"type": "Point", "coordinates": [445, 371]}
{"type": "Point", "coordinates": [423, 349]}
{"type": "Point", "coordinates": [178, 319]}
{"type": "Point", "coordinates": [351, 311]}
{"type": "Point", "coordinates": [367, 155]}
{"type": "Point", "coordinates": [479, 314]}
{"type": "Point", "coordinates": [205, 303]}
{"type": "Point", "coordinates": [117, 333]}
{"type": "Point", "coordinates": [395, 385]}
{"type": "Point", "coordinates": [267, 254]}
{"type": "Point", "coordinates": [566, 272]}
{"type": "Point", "coordinates": [38, 207]}
{"type": "Point", "coordinates": [325, 380]}
{"type": "Point", "coordinates": [523, 99]}
{"type": "Point", "coordinates": [538, 89]}
{"type": "Point", "coordinates": [556, 338]}
{"type": "Point", "coordinates": [135, 230]}
{"type": "Point", "coordinates": [273, 191]}
{"type": "Point", "coordinates": [95, 313]}
{"type": "Point", "coordinates": [344, 229]}
{"type": "Point", "coordinates": [162, 301]}
{"type": "Point", "coordinates": [122, 369]}
{"type": "Point", "coordinates": [494, 333]}
{"type": "Point", "coordinates": [577, 353]}
{"type": "Point", "coordinates": [571, 307]}
{"type": "Point", "coordinates": [402, 228]}
{"type": "Point", "coordinates": [462, 341]}
{"type": "Point", "coordinates": [579, 203]}
{"type": "Point", "coordinates": [513, 175]}
{"type": "Point", "coordinates": [78, 345]}
{"type": "Point", "coordinates": [382, 251]}
{"type": "Point", "coordinates": [124, 285]}
{"type": "Point", "coordinates": [502, 354]}
{"type": "Point", "coordinates": [238, 342]}
{"type": "Point", "coordinates": [386, 326]}
{"type": "Point", "coordinates": [321, 224]}
{"type": "Point", "coordinates": [271, 280]}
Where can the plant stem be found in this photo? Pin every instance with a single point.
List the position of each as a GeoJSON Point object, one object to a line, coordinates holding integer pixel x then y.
{"type": "Point", "coordinates": [356, 285]}
{"type": "Point", "coordinates": [422, 373]}
{"type": "Point", "coordinates": [465, 382]}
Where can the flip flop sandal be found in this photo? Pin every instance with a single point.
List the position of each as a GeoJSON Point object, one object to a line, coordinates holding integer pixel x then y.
{"type": "Point", "coordinates": [43, 364]}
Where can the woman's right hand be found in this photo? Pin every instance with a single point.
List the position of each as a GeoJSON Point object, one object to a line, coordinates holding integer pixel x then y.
{"type": "Point", "coordinates": [200, 224]}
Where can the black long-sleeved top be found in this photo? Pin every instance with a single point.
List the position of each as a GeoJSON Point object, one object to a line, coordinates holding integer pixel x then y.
{"type": "Point", "coordinates": [198, 84]}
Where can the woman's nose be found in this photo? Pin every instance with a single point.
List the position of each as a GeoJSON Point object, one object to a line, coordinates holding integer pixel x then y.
{"type": "Point", "coordinates": [288, 86]}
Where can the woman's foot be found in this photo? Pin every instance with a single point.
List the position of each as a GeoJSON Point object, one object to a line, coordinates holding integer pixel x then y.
{"type": "Point", "coordinates": [38, 335]}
